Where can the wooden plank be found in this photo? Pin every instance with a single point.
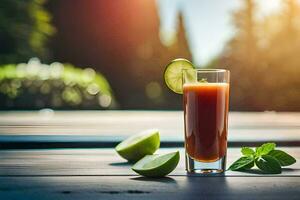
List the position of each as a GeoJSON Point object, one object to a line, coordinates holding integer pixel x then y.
{"type": "Point", "coordinates": [99, 162]}
{"type": "Point", "coordinates": [105, 118]}
{"type": "Point", "coordinates": [66, 128]}
{"type": "Point", "coordinates": [128, 187]}
{"type": "Point", "coordinates": [61, 141]}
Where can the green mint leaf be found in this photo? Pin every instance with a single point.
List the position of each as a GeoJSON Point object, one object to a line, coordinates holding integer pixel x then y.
{"type": "Point", "coordinates": [248, 166]}
{"type": "Point", "coordinates": [284, 158]}
{"type": "Point", "coordinates": [246, 151]}
{"type": "Point", "coordinates": [268, 164]}
{"type": "Point", "coordinates": [265, 149]}
{"type": "Point", "coordinates": [241, 163]}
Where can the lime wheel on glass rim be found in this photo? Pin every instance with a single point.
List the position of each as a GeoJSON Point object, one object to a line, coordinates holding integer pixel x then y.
{"type": "Point", "coordinates": [173, 74]}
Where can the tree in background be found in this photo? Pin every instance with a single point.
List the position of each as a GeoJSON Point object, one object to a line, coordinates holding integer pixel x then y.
{"type": "Point", "coordinates": [24, 30]}
{"type": "Point", "coordinates": [263, 57]}
{"type": "Point", "coordinates": [240, 56]}
{"type": "Point", "coordinates": [121, 40]}
{"type": "Point", "coordinates": [283, 57]}
{"type": "Point", "coordinates": [245, 41]}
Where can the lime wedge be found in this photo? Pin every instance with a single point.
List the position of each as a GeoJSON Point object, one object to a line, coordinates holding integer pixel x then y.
{"type": "Point", "coordinates": [139, 145]}
{"type": "Point", "coordinates": [157, 165]}
{"type": "Point", "coordinates": [173, 74]}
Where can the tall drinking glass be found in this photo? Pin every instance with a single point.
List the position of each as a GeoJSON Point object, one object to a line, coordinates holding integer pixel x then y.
{"type": "Point", "coordinates": [205, 101]}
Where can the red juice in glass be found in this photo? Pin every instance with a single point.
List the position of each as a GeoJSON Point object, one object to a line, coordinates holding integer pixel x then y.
{"type": "Point", "coordinates": [206, 123]}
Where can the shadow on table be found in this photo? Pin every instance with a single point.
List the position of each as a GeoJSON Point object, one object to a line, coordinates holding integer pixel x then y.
{"type": "Point", "coordinates": [120, 164]}
{"type": "Point", "coordinates": [168, 180]}
{"type": "Point", "coordinates": [253, 171]}
{"type": "Point", "coordinates": [259, 172]}
{"type": "Point", "coordinates": [290, 170]}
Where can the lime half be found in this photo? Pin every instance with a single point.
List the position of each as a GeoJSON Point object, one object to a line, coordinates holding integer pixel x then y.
{"type": "Point", "coordinates": [173, 73]}
{"type": "Point", "coordinates": [139, 145]}
{"type": "Point", "coordinates": [157, 165]}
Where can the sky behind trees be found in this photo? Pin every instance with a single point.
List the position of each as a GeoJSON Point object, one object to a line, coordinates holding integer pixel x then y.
{"type": "Point", "coordinates": [208, 23]}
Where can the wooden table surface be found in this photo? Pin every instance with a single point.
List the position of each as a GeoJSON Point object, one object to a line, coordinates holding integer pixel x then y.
{"type": "Point", "coordinates": [102, 174]}
{"type": "Point", "coordinates": [104, 128]}
{"type": "Point", "coordinates": [99, 173]}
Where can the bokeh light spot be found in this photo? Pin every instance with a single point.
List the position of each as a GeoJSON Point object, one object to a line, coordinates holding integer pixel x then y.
{"type": "Point", "coordinates": [105, 100]}
{"type": "Point", "coordinates": [153, 90]}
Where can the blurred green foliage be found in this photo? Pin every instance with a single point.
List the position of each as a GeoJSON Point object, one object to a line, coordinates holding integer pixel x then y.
{"type": "Point", "coordinates": [263, 58]}
{"type": "Point", "coordinates": [34, 85]}
{"type": "Point", "coordinates": [24, 30]}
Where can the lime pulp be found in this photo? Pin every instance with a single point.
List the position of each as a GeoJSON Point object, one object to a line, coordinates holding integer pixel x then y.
{"type": "Point", "coordinates": [139, 145]}
{"type": "Point", "coordinates": [157, 165]}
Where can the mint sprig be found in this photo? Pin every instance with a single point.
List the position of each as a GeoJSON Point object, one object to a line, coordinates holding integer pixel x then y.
{"type": "Point", "coordinates": [242, 163]}
{"type": "Point", "coordinates": [265, 157]}
{"type": "Point", "coordinates": [283, 158]}
{"type": "Point", "coordinates": [246, 151]}
{"type": "Point", "coordinates": [268, 164]}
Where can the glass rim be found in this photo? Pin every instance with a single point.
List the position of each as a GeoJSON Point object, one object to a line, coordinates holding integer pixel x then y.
{"type": "Point", "coordinates": [207, 70]}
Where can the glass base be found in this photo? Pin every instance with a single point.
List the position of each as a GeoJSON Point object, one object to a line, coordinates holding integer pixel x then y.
{"type": "Point", "coordinates": [194, 167]}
